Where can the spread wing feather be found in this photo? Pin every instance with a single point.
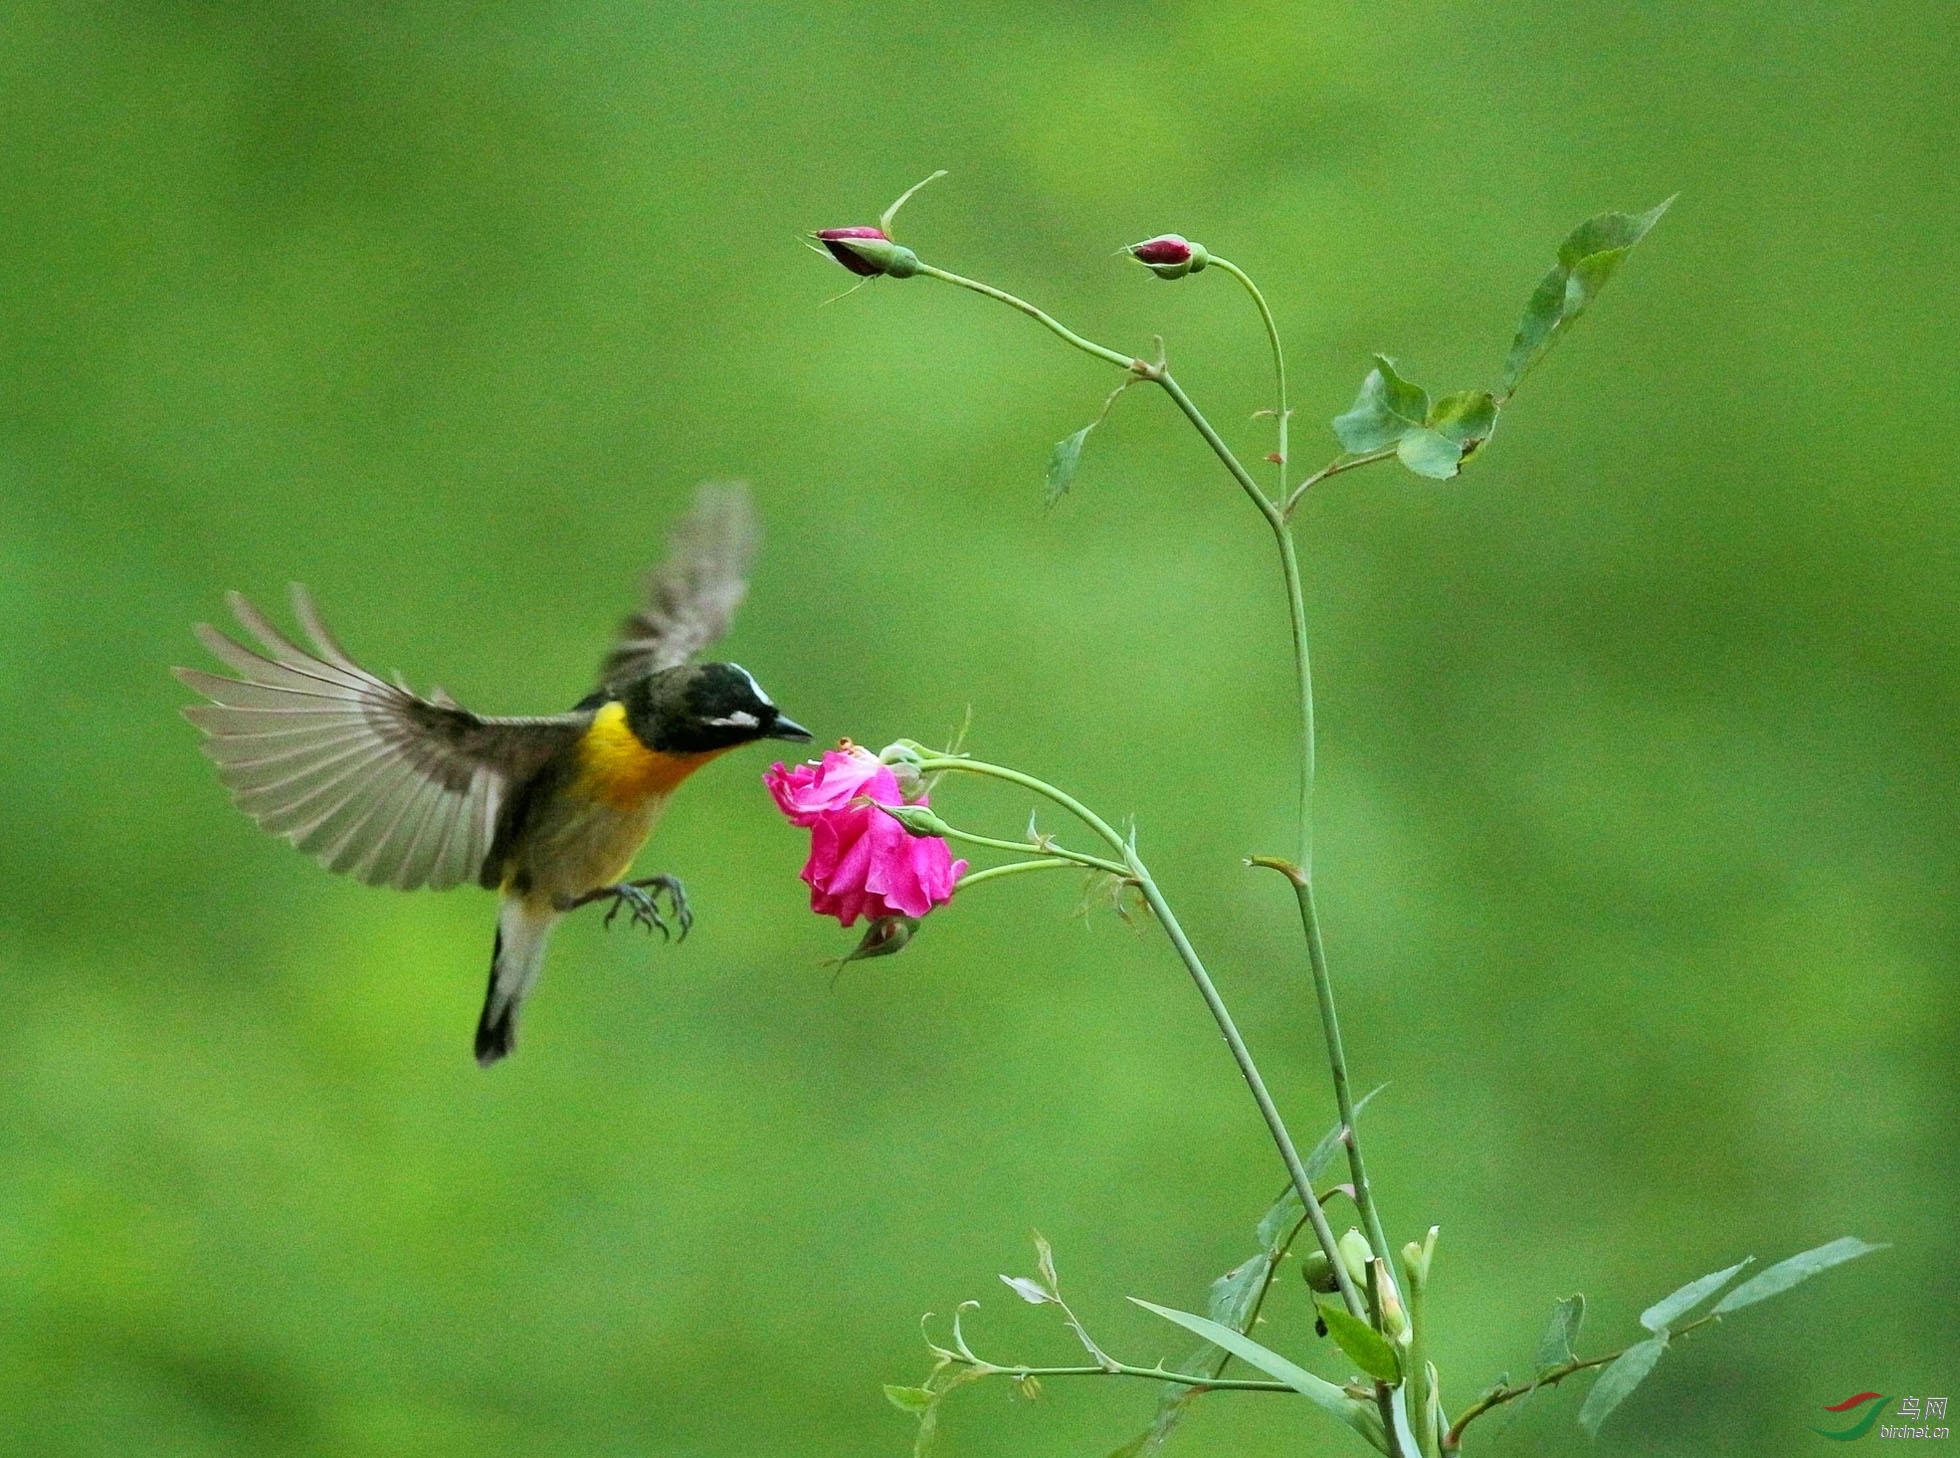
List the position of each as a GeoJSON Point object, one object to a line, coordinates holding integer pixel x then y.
{"type": "Point", "coordinates": [370, 778]}
{"type": "Point", "coordinates": [689, 600]}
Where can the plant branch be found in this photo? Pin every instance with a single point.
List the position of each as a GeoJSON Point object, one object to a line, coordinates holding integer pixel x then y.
{"type": "Point", "coordinates": [1047, 320]}
{"type": "Point", "coordinates": [1124, 1369]}
{"type": "Point", "coordinates": [1038, 848]}
{"type": "Point", "coordinates": [1242, 1055]}
{"type": "Point", "coordinates": [1550, 1377]}
{"type": "Point", "coordinates": [1333, 468]}
{"type": "Point", "coordinates": [938, 764]}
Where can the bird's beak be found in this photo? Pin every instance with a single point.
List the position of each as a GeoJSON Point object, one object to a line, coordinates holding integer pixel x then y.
{"type": "Point", "coordinates": [788, 729]}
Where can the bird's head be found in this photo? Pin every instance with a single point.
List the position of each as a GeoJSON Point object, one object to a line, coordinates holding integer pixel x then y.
{"type": "Point", "coordinates": [700, 708]}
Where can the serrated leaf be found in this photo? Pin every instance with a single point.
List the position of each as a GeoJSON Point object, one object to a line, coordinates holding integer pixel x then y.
{"type": "Point", "coordinates": [1064, 460]}
{"type": "Point", "coordinates": [1671, 1308]}
{"type": "Point", "coordinates": [1358, 1415]}
{"type": "Point", "coordinates": [1029, 1290]}
{"type": "Point", "coordinates": [914, 1400]}
{"type": "Point", "coordinates": [1468, 417]}
{"type": "Point", "coordinates": [1429, 453]}
{"type": "Point", "coordinates": [1590, 255]}
{"type": "Point", "coordinates": [1617, 1380]}
{"type": "Point", "coordinates": [1369, 1349]}
{"type": "Point", "coordinates": [1785, 1274]}
{"type": "Point", "coordinates": [1555, 1347]}
{"type": "Point", "coordinates": [1387, 408]}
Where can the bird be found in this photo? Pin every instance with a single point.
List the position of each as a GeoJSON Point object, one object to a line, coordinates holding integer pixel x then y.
{"type": "Point", "coordinates": [400, 789]}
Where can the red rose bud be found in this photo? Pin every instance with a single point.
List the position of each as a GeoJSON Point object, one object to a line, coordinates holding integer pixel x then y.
{"type": "Point", "coordinates": [868, 252]}
{"type": "Point", "coordinates": [1170, 255]}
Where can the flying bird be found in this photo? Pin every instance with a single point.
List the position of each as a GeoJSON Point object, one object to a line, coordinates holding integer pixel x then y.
{"type": "Point", "coordinates": [398, 789]}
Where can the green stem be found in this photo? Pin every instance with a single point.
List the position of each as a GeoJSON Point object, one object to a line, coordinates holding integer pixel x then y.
{"type": "Point", "coordinates": [1279, 355]}
{"type": "Point", "coordinates": [1124, 1369]}
{"type": "Point", "coordinates": [1013, 868]}
{"type": "Point", "coordinates": [1330, 1026]}
{"type": "Point", "coordinates": [1121, 361]}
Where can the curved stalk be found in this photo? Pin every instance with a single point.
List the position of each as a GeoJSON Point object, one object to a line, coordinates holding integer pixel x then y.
{"type": "Point", "coordinates": [1279, 355]}
{"type": "Point", "coordinates": [1012, 868]}
{"type": "Point", "coordinates": [1121, 361]}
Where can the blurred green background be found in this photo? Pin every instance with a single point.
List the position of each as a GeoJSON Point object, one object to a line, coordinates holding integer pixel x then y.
{"type": "Point", "coordinates": [1638, 826]}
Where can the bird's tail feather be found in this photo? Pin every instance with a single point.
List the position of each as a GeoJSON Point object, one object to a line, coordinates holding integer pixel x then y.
{"type": "Point", "coordinates": [523, 928]}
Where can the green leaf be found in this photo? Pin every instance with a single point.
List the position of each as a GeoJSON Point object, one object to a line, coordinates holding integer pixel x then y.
{"type": "Point", "coordinates": [1468, 417]}
{"type": "Point", "coordinates": [1429, 453]}
{"type": "Point", "coordinates": [1358, 1415]}
{"type": "Point", "coordinates": [914, 1400]}
{"type": "Point", "coordinates": [1064, 459]}
{"type": "Point", "coordinates": [1617, 1380]}
{"type": "Point", "coordinates": [1369, 1348]}
{"type": "Point", "coordinates": [1588, 258]}
{"type": "Point", "coordinates": [1387, 408]}
{"type": "Point", "coordinates": [1785, 1274]}
{"type": "Point", "coordinates": [1669, 1309]}
{"type": "Point", "coordinates": [1555, 1346]}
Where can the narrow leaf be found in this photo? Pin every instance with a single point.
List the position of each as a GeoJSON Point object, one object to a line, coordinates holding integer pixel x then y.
{"type": "Point", "coordinates": [1387, 408]}
{"type": "Point", "coordinates": [1063, 461]}
{"type": "Point", "coordinates": [909, 1399]}
{"type": "Point", "coordinates": [1588, 258]}
{"type": "Point", "coordinates": [1617, 1380]}
{"type": "Point", "coordinates": [1670, 1309]}
{"type": "Point", "coordinates": [1555, 1346]}
{"type": "Point", "coordinates": [1368, 1347]}
{"type": "Point", "coordinates": [1358, 1415]}
{"type": "Point", "coordinates": [1044, 1255]}
{"type": "Point", "coordinates": [1785, 1274]}
{"type": "Point", "coordinates": [1028, 1289]}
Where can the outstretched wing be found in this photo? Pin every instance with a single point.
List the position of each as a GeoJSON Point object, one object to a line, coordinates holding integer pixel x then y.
{"type": "Point", "coordinates": [689, 600]}
{"type": "Point", "coordinates": [375, 781]}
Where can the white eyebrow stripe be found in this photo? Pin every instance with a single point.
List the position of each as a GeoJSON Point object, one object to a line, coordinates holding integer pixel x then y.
{"type": "Point", "coordinates": [754, 687]}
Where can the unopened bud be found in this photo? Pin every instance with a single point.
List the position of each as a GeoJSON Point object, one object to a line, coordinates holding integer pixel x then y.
{"type": "Point", "coordinates": [1355, 1255]}
{"type": "Point", "coordinates": [868, 252]}
{"type": "Point", "coordinates": [1395, 1321]}
{"type": "Point", "coordinates": [885, 935]}
{"type": "Point", "coordinates": [1319, 1271]}
{"type": "Point", "coordinates": [917, 819]}
{"type": "Point", "coordinates": [1170, 255]}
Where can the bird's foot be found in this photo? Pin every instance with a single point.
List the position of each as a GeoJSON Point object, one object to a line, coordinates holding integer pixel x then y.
{"type": "Point", "coordinates": [641, 900]}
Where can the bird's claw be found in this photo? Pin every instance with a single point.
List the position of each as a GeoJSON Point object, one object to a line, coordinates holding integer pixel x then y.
{"type": "Point", "coordinates": [641, 900]}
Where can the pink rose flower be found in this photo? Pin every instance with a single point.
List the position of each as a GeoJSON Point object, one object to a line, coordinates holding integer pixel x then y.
{"type": "Point", "coordinates": [862, 862]}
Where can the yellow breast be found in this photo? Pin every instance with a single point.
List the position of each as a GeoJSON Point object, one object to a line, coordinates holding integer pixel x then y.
{"type": "Point", "coordinates": [622, 772]}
